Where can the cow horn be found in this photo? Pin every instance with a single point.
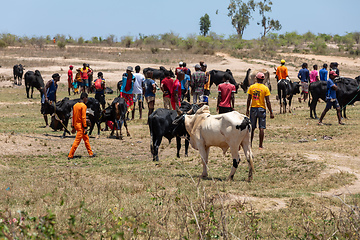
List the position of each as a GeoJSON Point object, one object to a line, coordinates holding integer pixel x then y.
{"type": "Point", "coordinates": [179, 112]}
{"type": "Point", "coordinates": [190, 112]}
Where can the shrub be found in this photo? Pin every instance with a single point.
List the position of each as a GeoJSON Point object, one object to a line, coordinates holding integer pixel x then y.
{"type": "Point", "coordinates": [80, 40]}
{"type": "Point", "coordinates": [154, 50]}
{"type": "Point", "coordinates": [61, 44]}
{"type": "Point", "coordinates": [2, 44]}
{"type": "Point", "coordinates": [127, 41]}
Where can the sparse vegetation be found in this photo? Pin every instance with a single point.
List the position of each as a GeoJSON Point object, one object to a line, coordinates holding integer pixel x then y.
{"type": "Point", "coordinates": [122, 194]}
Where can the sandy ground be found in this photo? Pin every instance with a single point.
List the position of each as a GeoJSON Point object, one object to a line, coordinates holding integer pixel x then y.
{"type": "Point", "coordinates": [9, 143]}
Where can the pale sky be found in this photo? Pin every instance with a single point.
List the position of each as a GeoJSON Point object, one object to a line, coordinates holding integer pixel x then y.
{"type": "Point", "coordinates": [121, 18]}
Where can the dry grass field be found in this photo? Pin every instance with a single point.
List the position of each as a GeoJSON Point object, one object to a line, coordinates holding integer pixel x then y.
{"type": "Point", "coordinates": [304, 187]}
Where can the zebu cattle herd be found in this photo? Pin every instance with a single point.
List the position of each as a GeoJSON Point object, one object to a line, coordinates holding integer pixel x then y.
{"type": "Point", "coordinates": [192, 122]}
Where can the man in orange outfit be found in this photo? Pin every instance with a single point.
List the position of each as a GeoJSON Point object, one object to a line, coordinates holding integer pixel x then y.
{"type": "Point", "coordinates": [79, 125]}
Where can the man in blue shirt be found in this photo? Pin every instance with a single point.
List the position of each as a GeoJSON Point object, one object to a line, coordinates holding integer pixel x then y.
{"type": "Point", "coordinates": [149, 91]}
{"type": "Point", "coordinates": [331, 100]}
{"type": "Point", "coordinates": [49, 97]}
{"type": "Point", "coordinates": [304, 77]}
{"type": "Point", "coordinates": [323, 72]}
{"type": "Point", "coordinates": [185, 83]}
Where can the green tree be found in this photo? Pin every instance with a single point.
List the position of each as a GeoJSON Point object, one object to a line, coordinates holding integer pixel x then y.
{"type": "Point", "coordinates": [205, 24]}
{"type": "Point", "coordinates": [240, 14]}
{"type": "Point", "coordinates": [267, 23]}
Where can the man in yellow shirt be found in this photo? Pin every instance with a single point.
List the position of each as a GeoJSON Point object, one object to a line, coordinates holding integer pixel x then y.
{"type": "Point", "coordinates": [258, 93]}
{"type": "Point", "coordinates": [80, 126]}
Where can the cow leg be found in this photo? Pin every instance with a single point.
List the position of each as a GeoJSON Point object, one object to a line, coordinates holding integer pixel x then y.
{"type": "Point", "coordinates": [290, 99]}
{"type": "Point", "coordinates": [117, 128]}
{"type": "Point", "coordinates": [32, 91]}
{"type": "Point", "coordinates": [204, 153]}
{"type": "Point", "coordinates": [246, 145]}
{"type": "Point", "coordinates": [178, 146]}
{"type": "Point", "coordinates": [127, 130]}
{"type": "Point", "coordinates": [155, 147]}
{"type": "Point", "coordinates": [313, 104]}
{"type": "Point", "coordinates": [186, 146]}
{"type": "Point", "coordinates": [344, 111]}
{"type": "Point", "coordinates": [27, 91]}
{"type": "Point", "coordinates": [236, 160]}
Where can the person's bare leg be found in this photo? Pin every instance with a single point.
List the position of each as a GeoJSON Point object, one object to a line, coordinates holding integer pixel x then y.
{"type": "Point", "coordinates": [261, 137]}
{"type": "Point", "coordinates": [140, 110]}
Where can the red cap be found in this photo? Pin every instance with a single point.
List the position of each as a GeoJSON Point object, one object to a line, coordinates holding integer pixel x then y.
{"type": "Point", "coordinates": [260, 75]}
{"type": "Point", "coordinates": [333, 73]}
{"type": "Point", "coordinates": [71, 66]}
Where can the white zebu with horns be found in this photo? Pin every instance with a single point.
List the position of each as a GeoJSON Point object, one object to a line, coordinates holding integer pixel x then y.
{"type": "Point", "coordinates": [229, 130]}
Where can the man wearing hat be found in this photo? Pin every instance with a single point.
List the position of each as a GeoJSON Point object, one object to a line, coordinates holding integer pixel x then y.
{"type": "Point", "coordinates": [258, 95]}
{"type": "Point", "coordinates": [282, 71]}
{"type": "Point", "coordinates": [197, 83]}
{"type": "Point", "coordinates": [70, 78]}
{"type": "Point", "coordinates": [331, 100]}
{"type": "Point", "coordinates": [179, 68]}
{"type": "Point", "coordinates": [50, 96]}
{"type": "Point", "coordinates": [127, 88]}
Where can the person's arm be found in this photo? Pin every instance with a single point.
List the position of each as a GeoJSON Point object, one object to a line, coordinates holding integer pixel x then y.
{"type": "Point", "coordinates": [233, 101]}
{"type": "Point", "coordinates": [299, 76]}
{"type": "Point", "coordinates": [268, 104]}
{"type": "Point", "coordinates": [154, 88]}
{"type": "Point", "coordinates": [45, 90]}
{"type": "Point", "coordinates": [83, 118]}
{"type": "Point", "coordinates": [286, 73]}
{"type": "Point", "coordinates": [186, 86]}
{"type": "Point", "coordinates": [218, 102]}
{"type": "Point", "coordinates": [248, 104]}
{"type": "Point", "coordinates": [176, 98]}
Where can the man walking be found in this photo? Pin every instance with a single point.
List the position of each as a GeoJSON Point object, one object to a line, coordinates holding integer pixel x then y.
{"type": "Point", "coordinates": [49, 96]}
{"type": "Point", "coordinates": [127, 89]}
{"type": "Point", "coordinates": [149, 92]}
{"type": "Point", "coordinates": [99, 86]}
{"type": "Point", "coordinates": [79, 125]}
{"type": "Point", "coordinates": [258, 94]}
{"type": "Point", "coordinates": [70, 78]}
{"type": "Point", "coordinates": [166, 87]}
{"type": "Point", "coordinates": [198, 81]}
{"type": "Point", "coordinates": [138, 91]}
{"type": "Point", "coordinates": [84, 72]}
{"type": "Point", "coordinates": [331, 100]}
{"type": "Point", "coordinates": [304, 76]}
{"type": "Point", "coordinates": [226, 97]}
{"type": "Point", "coordinates": [323, 73]}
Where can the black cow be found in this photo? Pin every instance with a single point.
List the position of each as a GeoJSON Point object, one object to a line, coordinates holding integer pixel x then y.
{"type": "Point", "coordinates": [116, 114]}
{"type": "Point", "coordinates": [286, 90]}
{"type": "Point", "coordinates": [216, 76]}
{"type": "Point", "coordinates": [34, 79]}
{"type": "Point", "coordinates": [18, 71]}
{"type": "Point", "coordinates": [161, 125]}
{"type": "Point", "coordinates": [158, 73]}
{"type": "Point", "coordinates": [63, 111]}
{"type": "Point", "coordinates": [347, 93]}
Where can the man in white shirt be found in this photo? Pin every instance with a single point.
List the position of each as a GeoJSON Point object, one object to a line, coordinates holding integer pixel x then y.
{"type": "Point", "coordinates": [138, 91]}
